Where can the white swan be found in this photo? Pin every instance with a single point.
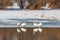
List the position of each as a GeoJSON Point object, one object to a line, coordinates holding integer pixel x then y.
{"type": "Point", "coordinates": [25, 4]}
{"type": "Point", "coordinates": [15, 5]}
{"type": "Point", "coordinates": [46, 7]}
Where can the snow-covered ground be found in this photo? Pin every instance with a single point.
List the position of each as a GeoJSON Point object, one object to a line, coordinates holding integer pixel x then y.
{"type": "Point", "coordinates": [5, 15]}
{"type": "Point", "coordinates": [22, 14]}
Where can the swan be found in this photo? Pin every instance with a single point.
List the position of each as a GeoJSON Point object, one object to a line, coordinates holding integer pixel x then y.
{"type": "Point", "coordinates": [47, 6]}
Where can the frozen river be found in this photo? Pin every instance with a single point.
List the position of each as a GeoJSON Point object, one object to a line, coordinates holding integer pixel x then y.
{"type": "Point", "coordinates": [9, 18]}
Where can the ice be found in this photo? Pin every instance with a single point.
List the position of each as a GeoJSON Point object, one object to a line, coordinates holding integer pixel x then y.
{"type": "Point", "coordinates": [23, 14]}
{"type": "Point", "coordinates": [5, 15]}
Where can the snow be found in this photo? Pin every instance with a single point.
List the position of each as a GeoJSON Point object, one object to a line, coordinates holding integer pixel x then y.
{"type": "Point", "coordinates": [26, 14]}
{"type": "Point", "coordinates": [21, 14]}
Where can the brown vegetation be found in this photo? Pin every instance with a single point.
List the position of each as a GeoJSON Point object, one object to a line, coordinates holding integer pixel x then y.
{"type": "Point", "coordinates": [34, 4]}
